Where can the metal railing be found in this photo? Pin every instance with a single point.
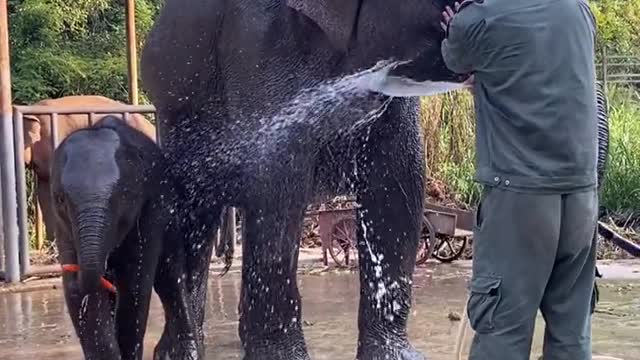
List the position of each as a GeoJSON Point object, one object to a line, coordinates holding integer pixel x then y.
{"type": "Point", "coordinates": [618, 69]}
{"type": "Point", "coordinates": [17, 262]}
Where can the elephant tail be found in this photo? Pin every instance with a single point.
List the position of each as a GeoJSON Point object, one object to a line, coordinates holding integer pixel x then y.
{"type": "Point", "coordinates": [226, 246]}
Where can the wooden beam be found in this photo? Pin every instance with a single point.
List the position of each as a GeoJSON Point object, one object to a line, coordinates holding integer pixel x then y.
{"type": "Point", "coordinates": [132, 52]}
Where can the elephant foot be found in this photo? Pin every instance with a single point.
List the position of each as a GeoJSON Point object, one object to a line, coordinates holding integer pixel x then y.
{"type": "Point", "coordinates": [389, 351]}
{"type": "Point", "coordinates": [182, 349]}
{"type": "Point", "coordinates": [281, 350]}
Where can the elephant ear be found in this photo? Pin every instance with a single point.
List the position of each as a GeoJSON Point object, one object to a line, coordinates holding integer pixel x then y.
{"type": "Point", "coordinates": [32, 130]}
{"type": "Point", "coordinates": [337, 18]}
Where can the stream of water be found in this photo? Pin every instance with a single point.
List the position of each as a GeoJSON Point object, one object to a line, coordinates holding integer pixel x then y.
{"type": "Point", "coordinates": [337, 107]}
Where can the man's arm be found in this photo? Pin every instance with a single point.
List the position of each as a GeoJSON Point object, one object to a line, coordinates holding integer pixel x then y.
{"type": "Point", "coordinates": [591, 19]}
{"type": "Point", "coordinates": [459, 48]}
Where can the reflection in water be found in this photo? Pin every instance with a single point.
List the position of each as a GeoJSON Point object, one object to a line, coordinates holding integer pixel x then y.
{"type": "Point", "coordinates": [36, 326]}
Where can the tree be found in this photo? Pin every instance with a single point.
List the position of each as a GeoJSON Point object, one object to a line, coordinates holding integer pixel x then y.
{"type": "Point", "coordinates": [618, 25]}
{"type": "Point", "coordinates": [71, 47]}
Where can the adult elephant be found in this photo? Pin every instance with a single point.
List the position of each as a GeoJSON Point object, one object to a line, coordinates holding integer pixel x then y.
{"type": "Point", "coordinates": [215, 70]}
{"type": "Point", "coordinates": [38, 152]}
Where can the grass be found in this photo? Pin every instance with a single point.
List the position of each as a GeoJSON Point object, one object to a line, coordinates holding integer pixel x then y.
{"type": "Point", "coordinates": [448, 123]}
{"type": "Point", "coordinates": [621, 187]}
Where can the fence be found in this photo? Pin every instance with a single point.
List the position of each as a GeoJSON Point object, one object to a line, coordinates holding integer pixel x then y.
{"type": "Point", "coordinates": [618, 69]}
{"type": "Point", "coordinates": [17, 248]}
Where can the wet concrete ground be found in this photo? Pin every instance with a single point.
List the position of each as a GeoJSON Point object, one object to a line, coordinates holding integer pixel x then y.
{"type": "Point", "coordinates": [34, 325]}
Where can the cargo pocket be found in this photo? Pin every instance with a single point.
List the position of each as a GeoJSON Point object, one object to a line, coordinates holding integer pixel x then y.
{"type": "Point", "coordinates": [479, 214]}
{"type": "Point", "coordinates": [483, 301]}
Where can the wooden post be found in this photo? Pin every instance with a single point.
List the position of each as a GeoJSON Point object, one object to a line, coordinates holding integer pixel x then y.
{"type": "Point", "coordinates": [132, 53]}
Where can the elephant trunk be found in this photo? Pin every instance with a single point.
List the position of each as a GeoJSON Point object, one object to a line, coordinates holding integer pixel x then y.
{"type": "Point", "coordinates": [92, 248]}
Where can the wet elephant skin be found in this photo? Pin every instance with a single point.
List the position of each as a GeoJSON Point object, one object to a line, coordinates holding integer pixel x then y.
{"type": "Point", "coordinates": [38, 141]}
{"type": "Point", "coordinates": [112, 208]}
{"type": "Point", "coordinates": [213, 70]}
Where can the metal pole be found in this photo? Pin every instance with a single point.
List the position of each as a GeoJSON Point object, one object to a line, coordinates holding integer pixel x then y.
{"type": "Point", "coordinates": [7, 158]}
{"type": "Point", "coordinates": [21, 192]}
{"type": "Point", "coordinates": [605, 69]}
{"type": "Point", "coordinates": [132, 55]}
{"type": "Point", "coordinates": [1, 236]}
{"type": "Point", "coordinates": [158, 130]}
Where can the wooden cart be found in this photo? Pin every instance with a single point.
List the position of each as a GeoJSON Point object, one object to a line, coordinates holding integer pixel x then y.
{"type": "Point", "coordinates": [449, 229]}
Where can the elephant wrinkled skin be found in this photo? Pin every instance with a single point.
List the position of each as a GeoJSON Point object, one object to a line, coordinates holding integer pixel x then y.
{"type": "Point", "coordinates": [213, 69]}
{"type": "Point", "coordinates": [37, 141]}
{"type": "Point", "coordinates": [112, 208]}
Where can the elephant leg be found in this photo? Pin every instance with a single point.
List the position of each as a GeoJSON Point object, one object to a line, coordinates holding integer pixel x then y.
{"type": "Point", "coordinates": [226, 238]}
{"type": "Point", "coordinates": [92, 320]}
{"type": "Point", "coordinates": [390, 191]}
{"type": "Point", "coordinates": [133, 310]}
{"type": "Point", "coordinates": [44, 198]}
{"type": "Point", "coordinates": [135, 283]}
{"type": "Point", "coordinates": [198, 261]}
{"type": "Point", "coordinates": [181, 284]}
{"type": "Point", "coordinates": [270, 310]}
{"type": "Point", "coordinates": [179, 338]}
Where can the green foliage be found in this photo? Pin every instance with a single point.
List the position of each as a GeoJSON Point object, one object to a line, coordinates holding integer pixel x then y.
{"type": "Point", "coordinates": [451, 149]}
{"type": "Point", "coordinates": [618, 24]}
{"type": "Point", "coordinates": [72, 47]}
{"type": "Point", "coordinates": [448, 123]}
{"type": "Point", "coordinates": [621, 187]}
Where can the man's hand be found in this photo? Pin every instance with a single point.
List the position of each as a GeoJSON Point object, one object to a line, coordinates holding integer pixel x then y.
{"type": "Point", "coordinates": [447, 15]}
{"type": "Point", "coordinates": [457, 45]}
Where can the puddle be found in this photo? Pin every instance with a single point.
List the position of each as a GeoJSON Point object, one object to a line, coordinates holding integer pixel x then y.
{"type": "Point", "coordinates": [35, 325]}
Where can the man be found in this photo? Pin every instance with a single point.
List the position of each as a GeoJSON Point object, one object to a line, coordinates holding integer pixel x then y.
{"type": "Point", "coordinates": [533, 67]}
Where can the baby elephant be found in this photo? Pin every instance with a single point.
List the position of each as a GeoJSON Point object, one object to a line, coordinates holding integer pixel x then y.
{"type": "Point", "coordinates": [112, 207]}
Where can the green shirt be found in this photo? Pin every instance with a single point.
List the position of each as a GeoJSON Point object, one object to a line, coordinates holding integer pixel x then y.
{"type": "Point", "coordinates": [534, 91]}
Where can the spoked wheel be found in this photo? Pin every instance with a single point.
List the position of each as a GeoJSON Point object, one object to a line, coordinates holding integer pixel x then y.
{"type": "Point", "coordinates": [427, 238]}
{"type": "Point", "coordinates": [449, 248]}
{"type": "Point", "coordinates": [343, 248]}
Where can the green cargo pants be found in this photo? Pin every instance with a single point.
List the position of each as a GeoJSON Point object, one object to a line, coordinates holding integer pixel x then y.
{"type": "Point", "coordinates": [530, 252]}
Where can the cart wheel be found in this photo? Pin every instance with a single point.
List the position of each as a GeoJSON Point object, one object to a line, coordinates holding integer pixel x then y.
{"type": "Point", "coordinates": [343, 248]}
{"type": "Point", "coordinates": [427, 237]}
{"type": "Point", "coordinates": [449, 248]}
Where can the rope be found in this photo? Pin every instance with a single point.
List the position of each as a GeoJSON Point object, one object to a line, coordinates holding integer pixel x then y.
{"type": "Point", "coordinates": [74, 268]}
